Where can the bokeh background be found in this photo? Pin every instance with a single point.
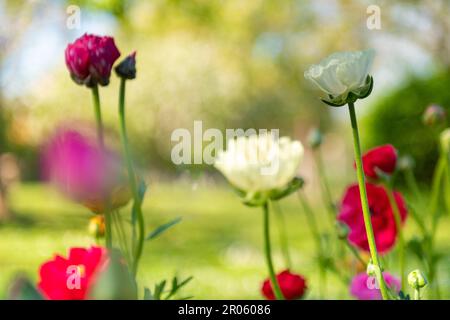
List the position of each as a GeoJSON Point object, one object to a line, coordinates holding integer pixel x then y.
{"type": "Point", "coordinates": [231, 64]}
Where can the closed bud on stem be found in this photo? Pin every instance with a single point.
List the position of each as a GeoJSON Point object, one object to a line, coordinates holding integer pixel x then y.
{"type": "Point", "coordinates": [314, 138]}
{"type": "Point", "coordinates": [434, 114]}
{"type": "Point", "coordinates": [342, 230]}
{"type": "Point", "coordinates": [127, 68]}
{"type": "Point", "coordinates": [417, 280]}
{"type": "Point", "coordinates": [405, 163]}
{"type": "Point", "coordinates": [372, 269]}
{"type": "Point", "coordinates": [445, 140]}
{"type": "Point", "coordinates": [96, 226]}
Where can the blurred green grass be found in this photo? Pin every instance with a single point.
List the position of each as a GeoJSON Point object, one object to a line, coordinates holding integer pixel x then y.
{"type": "Point", "coordinates": [218, 242]}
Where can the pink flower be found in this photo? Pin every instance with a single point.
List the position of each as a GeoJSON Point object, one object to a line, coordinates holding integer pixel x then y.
{"type": "Point", "coordinates": [90, 59]}
{"type": "Point", "coordinates": [82, 171]}
{"type": "Point", "coordinates": [71, 278]}
{"type": "Point", "coordinates": [364, 287]}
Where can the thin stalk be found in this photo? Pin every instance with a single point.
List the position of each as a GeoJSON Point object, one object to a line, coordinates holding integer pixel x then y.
{"type": "Point", "coordinates": [101, 142]}
{"type": "Point", "coordinates": [137, 205]}
{"type": "Point", "coordinates": [365, 203]}
{"type": "Point", "coordinates": [326, 193]}
{"type": "Point", "coordinates": [313, 227]}
{"type": "Point", "coordinates": [267, 250]}
{"type": "Point", "coordinates": [412, 184]}
{"type": "Point", "coordinates": [401, 239]}
{"type": "Point", "coordinates": [122, 235]}
{"type": "Point", "coordinates": [434, 210]}
{"type": "Point", "coordinates": [355, 253]}
{"type": "Point", "coordinates": [283, 234]}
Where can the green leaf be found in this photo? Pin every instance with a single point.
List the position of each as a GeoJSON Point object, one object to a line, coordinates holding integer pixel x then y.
{"type": "Point", "coordinates": [177, 286]}
{"type": "Point", "coordinates": [22, 289]}
{"type": "Point", "coordinates": [159, 288]}
{"type": "Point", "coordinates": [115, 282]}
{"type": "Point", "coordinates": [148, 294]}
{"type": "Point", "coordinates": [162, 228]}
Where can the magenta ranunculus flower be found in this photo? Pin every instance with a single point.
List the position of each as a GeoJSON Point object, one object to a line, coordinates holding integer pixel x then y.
{"type": "Point", "coordinates": [82, 171]}
{"type": "Point", "coordinates": [364, 287]}
{"type": "Point", "coordinates": [90, 59]}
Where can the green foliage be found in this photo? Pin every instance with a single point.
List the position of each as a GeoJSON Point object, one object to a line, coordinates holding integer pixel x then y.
{"type": "Point", "coordinates": [397, 119]}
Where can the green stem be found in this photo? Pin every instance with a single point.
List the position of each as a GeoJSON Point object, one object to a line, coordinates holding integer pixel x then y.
{"type": "Point", "coordinates": [417, 294]}
{"type": "Point", "coordinates": [412, 184]}
{"type": "Point", "coordinates": [401, 239]}
{"type": "Point", "coordinates": [137, 205]}
{"type": "Point", "coordinates": [355, 253]}
{"type": "Point", "coordinates": [283, 234]}
{"type": "Point", "coordinates": [434, 210]}
{"type": "Point", "coordinates": [98, 116]}
{"type": "Point", "coordinates": [267, 250]}
{"type": "Point", "coordinates": [312, 223]}
{"type": "Point", "coordinates": [365, 203]}
{"type": "Point", "coordinates": [101, 142]}
{"type": "Point", "coordinates": [326, 193]}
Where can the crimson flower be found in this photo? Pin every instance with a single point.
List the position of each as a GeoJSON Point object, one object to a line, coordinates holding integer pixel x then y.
{"type": "Point", "coordinates": [364, 287]}
{"type": "Point", "coordinates": [382, 216]}
{"type": "Point", "coordinates": [71, 278]}
{"type": "Point", "coordinates": [383, 157]}
{"type": "Point", "coordinates": [293, 286]}
{"type": "Point", "coordinates": [90, 59]}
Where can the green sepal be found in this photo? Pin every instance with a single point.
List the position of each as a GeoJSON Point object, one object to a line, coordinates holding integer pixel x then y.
{"type": "Point", "coordinates": [295, 184]}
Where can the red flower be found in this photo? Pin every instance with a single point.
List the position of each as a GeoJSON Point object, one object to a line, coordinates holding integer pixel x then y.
{"type": "Point", "coordinates": [90, 59]}
{"type": "Point", "coordinates": [383, 157]}
{"type": "Point", "coordinates": [292, 286]}
{"type": "Point", "coordinates": [382, 216]}
{"type": "Point", "coordinates": [71, 278]}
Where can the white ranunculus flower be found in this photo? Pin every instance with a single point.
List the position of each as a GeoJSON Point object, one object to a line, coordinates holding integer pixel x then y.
{"type": "Point", "coordinates": [343, 76]}
{"type": "Point", "coordinates": [260, 163]}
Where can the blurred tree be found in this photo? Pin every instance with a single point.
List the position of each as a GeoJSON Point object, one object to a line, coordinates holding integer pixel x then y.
{"type": "Point", "coordinates": [397, 119]}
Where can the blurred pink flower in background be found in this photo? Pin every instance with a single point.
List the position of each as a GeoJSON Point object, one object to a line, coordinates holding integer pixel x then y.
{"type": "Point", "coordinates": [90, 59]}
{"type": "Point", "coordinates": [82, 171]}
{"type": "Point", "coordinates": [364, 287]}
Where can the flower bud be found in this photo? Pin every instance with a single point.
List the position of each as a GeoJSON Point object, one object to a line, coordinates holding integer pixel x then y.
{"type": "Point", "coordinates": [372, 269]}
{"type": "Point", "coordinates": [314, 138]}
{"type": "Point", "coordinates": [342, 230]}
{"type": "Point", "coordinates": [445, 140]}
{"type": "Point", "coordinates": [434, 114]}
{"type": "Point", "coordinates": [406, 162]}
{"type": "Point", "coordinates": [416, 279]}
{"type": "Point", "coordinates": [90, 59]}
{"type": "Point", "coordinates": [96, 226]}
{"type": "Point", "coordinates": [127, 68]}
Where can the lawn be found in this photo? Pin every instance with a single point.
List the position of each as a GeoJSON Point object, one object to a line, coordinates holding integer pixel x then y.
{"type": "Point", "coordinates": [218, 242]}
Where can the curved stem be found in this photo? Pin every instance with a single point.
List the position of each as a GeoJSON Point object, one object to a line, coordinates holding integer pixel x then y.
{"type": "Point", "coordinates": [137, 205]}
{"type": "Point", "coordinates": [283, 234]}
{"type": "Point", "coordinates": [401, 239]}
{"type": "Point", "coordinates": [365, 203]}
{"type": "Point", "coordinates": [267, 250]}
{"type": "Point", "coordinates": [101, 142]}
